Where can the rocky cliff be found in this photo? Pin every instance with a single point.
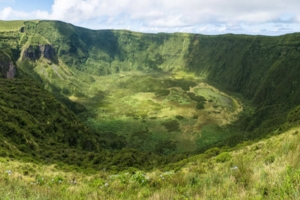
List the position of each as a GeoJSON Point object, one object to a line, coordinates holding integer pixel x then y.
{"type": "Point", "coordinates": [35, 52]}
{"type": "Point", "coordinates": [7, 67]}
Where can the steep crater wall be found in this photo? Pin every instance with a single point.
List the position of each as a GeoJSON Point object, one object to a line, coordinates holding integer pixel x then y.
{"type": "Point", "coordinates": [264, 70]}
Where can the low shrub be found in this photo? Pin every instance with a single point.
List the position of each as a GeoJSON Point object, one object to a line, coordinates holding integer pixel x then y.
{"type": "Point", "coordinates": [223, 157]}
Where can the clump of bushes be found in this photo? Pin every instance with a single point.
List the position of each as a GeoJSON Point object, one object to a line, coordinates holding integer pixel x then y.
{"type": "Point", "coordinates": [196, 97]}
{"type": "Point", "coordinates": [162, 93]}
{"type": "Point", "coordinates": [171, 125]}
{"type": "Point", "coordinates": [179, 117]}
{"type": "Point", "coordinates": [200, 105]}
{"type": "Point", "coordinates": [212, 152]}
{"type": "Point", "coordinates": [223, 157]}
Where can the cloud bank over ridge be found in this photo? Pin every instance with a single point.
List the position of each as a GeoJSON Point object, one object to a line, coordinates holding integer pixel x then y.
{"type": "Point", "coordinates": [202, 16]}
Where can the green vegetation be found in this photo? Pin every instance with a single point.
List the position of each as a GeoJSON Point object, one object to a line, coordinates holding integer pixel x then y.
{"type": "Point", "coordinates": [120, 110]}
{"type": "Point", "coordinates": [32, 120]}
{"type": "Point", "coordinates": [86, 54]}
{"type": "Point", "coordinates": [11, 25]}
{"type": "Point", "coordinates": [238, 173]}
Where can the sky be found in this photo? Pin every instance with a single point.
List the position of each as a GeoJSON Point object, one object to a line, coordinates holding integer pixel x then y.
{"type": "Point", "coordinates": [210, 17]}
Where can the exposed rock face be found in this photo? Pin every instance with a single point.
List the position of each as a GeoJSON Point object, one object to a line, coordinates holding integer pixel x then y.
{"type": "Point", "coordinates": [36, 52]}
{"type": "Point", "coordinates": [47, 51]}
{"type": "Point", "coordinates": [32, 52]}
{"type": "Point", "coordinates": [11, 73]}
{"type": "Point", "coordinates": [7, 70]}
{"type": "Point", "coordinates": [22, 30]}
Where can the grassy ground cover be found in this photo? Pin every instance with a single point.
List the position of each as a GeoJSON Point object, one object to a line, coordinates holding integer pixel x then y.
{"type": "Point", "coordinates": [151, 97]}
{"type": "Point", "coordinates": [155, 108]}
{"type": "Point", "coordinates": [268, 169]}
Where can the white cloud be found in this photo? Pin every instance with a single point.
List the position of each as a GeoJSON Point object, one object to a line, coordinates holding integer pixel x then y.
{"type": "Point", "coordinates": [217, 16]}
{"type": "Point", "coordinates": [201, 11]}
{"type": "Point", "coordinates": [9, 14]}
{"type": "Point", "coordinates": [297, 18]}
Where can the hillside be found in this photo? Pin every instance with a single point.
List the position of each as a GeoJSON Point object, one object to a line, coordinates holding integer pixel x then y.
{"type": "Point", "coordinates": [202, 90]}
{"type": "Point", "coordinates": [268, 169]}
{"type": "Point", "coordinates": [32, 120]}
{"type": "Point", "coordinates": [161, 114]}
{"type": "Point", "coordinates": [36, 127]}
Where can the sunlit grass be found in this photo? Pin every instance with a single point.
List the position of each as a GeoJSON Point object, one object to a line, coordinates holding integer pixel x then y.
{"type": "Point", "coordinates": [248, 173]}
{"type": "Point", "coordinates": [129, 103]}
{"type": "Point", "coordinates": [11, 25]}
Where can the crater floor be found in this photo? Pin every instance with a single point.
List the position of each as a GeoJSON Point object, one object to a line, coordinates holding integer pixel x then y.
{"type": "Point", "coordinates": [161, 113]}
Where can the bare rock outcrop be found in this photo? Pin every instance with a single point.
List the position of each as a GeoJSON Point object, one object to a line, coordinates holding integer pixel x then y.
{"type": "Point", "coordinates": [36, 52]}
{"type": "Point", "coordinates": [7, 67]}
{"type": "Point", "coordinates": [47, 51]}
{"type": "Point", "coordinates": [12, 71]}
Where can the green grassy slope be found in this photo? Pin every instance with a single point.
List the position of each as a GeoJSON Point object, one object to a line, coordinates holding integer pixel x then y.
{"type": "Point", "coordinates": [147, 98]}
{"type": "Point", "coordinates": [268, 169]}
{"type": "Point", "coordinates": [109, 70]}
{"type": "Point", "coordinates": [6, 26]}
{"type": "Point", "coordinates": [36, 127]}
{"type": "Point", "coordinates": [32, 119]}
{"type": "Point", "coordinates": [82, 65]}
{"type": "Point", "coordinates": [262, 69]}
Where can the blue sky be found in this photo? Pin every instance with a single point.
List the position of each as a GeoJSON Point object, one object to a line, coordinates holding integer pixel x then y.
{"type": "Point", "coordinates": [27, 6]}
{"type": "Point", "coordinates": [256, 17]}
